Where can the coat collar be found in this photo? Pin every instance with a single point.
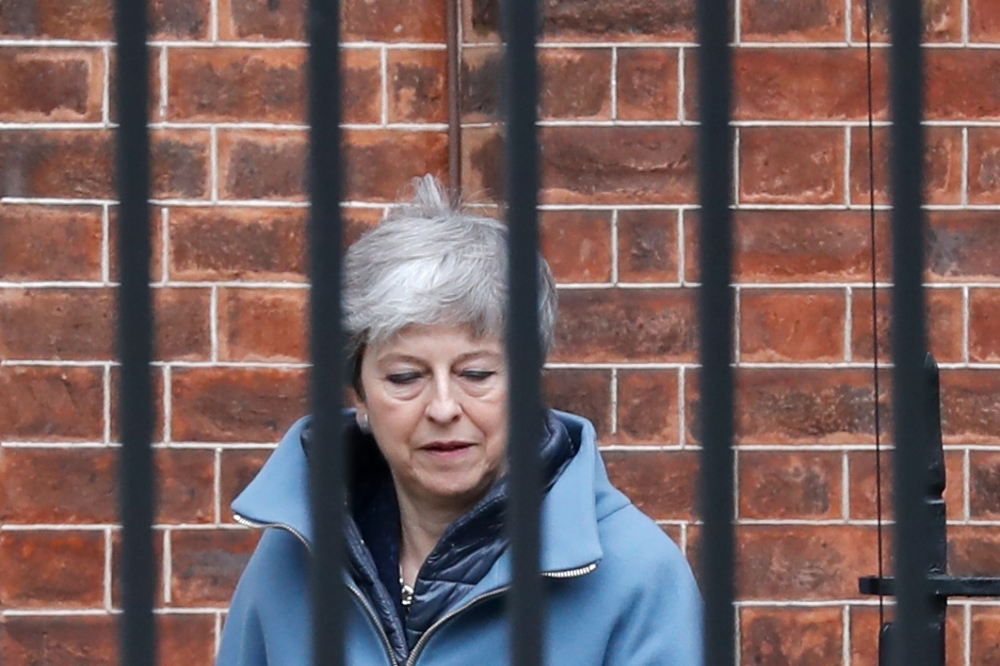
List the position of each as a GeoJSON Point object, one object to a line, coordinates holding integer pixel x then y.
{"type": "Point", "coordinates": [279, 497]}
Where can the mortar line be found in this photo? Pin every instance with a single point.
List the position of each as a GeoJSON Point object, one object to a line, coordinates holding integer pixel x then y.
{"type": "Point", "coordinates": [165, 246]}
{"type": "Point", "coordinates": [164, 82]}
{"type": "Point", "coordinates": [845, 487]}
{"type": "Point", "coordinates": [108, 569]}
{"type": "Point", "coordinates": [105, 244]}
{"type": "Point", "coordinates": [967, 490]}
{"type": "Point", "coordinates": [681, 82]}
{"type": "Point", "coordinates": [682, 418]}
{"type": "Point", "coordinates": [615, 268]}
{"type": "Point", "coordinates": [214, 4]}
{"type": "Point", "coordinates": [966, 322]}
{"type": "Point", "coordinates": [213, 156]}
{"type": "Point", "coordinates": [848, 323]}
{"type": "Point", "coordinates": [106, 95]}
{"type": "Point", "coordinates": [967, 634]}
{"type": "Point", "coordinates": [384, 69]}
{"type": "Point", "coordinates": [167, 566]}
{"type": "Point", "coordinates": [848, 146]}
{"type": "Point", "coordinates": [213, 322]}
{"type": "Point", "coordinates": [614, 400]}
{"type": "Point", "coordinates": [965, 166]}
{"type": "Point", "coordinates": [846, 637]}
{"type": "Point", "coordinates": [966, 27]}
{"type": "Point", "coordinates": [168, 405]}
{"type": "Point", "coordinates": [614, 83]}
{"type": "Point", "coordinates": [106, 379]}
{"type": "Point", "coordinates": [217, 485]}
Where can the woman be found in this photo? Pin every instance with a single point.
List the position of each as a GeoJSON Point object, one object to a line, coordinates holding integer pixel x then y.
{"type": "Point", "coordinates": [425, 305]}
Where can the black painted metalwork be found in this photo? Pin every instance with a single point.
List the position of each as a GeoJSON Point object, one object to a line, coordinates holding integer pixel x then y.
{"type": "Point", "coordinates": [135, 338]}
{"type": "Point", "coordinates": [913, 556]}
{"type": "Point", "coordinates": [715, 160]}
{"type": "Point", "coordinates": [526, 609]}
{"type": "Point", "coordinates": [940, 586]}
{"type": "Point", "coordinates": [327, 464]}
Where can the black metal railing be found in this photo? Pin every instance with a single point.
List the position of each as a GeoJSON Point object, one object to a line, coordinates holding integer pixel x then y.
{"type": "Point", "coordinates": [526, 607]}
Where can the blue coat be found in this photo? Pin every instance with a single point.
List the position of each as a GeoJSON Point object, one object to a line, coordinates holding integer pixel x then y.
{"type": "Point", "coordinates": [621, 592]}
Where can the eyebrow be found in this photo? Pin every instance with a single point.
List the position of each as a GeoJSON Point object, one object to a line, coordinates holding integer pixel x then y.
{"type": "Point", "coordinates": [398, 356]}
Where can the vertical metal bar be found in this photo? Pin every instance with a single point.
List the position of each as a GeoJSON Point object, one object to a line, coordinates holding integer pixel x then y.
{"type": "Point", "coordinates": [454, 53]}
{"type": "Point", "coordinates": [715, 159]}
{"type": "Point", "coordinates": [908, 336]}
{"type": "Point", "coordinates": [526, 609]}
{"type": "Point", "coordinates": [327, 464]}
{"type": "Point", "coordinates": [135, 337]}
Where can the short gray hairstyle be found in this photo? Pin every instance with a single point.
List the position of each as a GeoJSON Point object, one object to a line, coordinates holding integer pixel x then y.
{"type": "Point", "coordinates": [428, 263]}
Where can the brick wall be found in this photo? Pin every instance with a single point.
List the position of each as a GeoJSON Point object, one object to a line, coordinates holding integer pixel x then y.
{"type": "Point", "coordinates": [619, 228]}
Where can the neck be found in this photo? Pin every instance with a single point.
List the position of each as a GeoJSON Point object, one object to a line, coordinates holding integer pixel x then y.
{"type": "Point", "coordinates": [422, 525]}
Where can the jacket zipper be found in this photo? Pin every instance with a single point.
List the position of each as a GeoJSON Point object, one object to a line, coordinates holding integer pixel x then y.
{"type": "Point", "coordinates": [411, 660]}
{"type": "Point", "coordinates": [354, 590]}
{"type": "Point", "coordinates": [569, 573]}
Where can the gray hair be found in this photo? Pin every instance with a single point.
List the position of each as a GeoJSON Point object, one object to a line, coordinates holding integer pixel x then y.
{"type": "Point", "coordinates": [429, 263]}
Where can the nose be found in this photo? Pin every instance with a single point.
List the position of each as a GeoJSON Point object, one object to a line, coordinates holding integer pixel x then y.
{"type": "Point", "coordinates": [443, 407]}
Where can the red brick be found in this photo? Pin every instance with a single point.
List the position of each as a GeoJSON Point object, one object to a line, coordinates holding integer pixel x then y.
{"type": "Point", "coordinates": [256, 244]}
{"type": "Point", "coordinates": [944, 323]}
{"type": "Point", "coordinates": [64, 324]}
{"type": "Point", "coordinates": [984, 21]}
{"type": "Point", "coordinates": [803, 562]}
{"type": "Point", "coordinates": [786, 636]}
{"type": "Point", "coordinates": [802, 20]}
{"type": "Point", "coordinates": [381, 164]}
{"type": "Point", "coordinates": [158, 407]}
{"type": "Point", "coordinates": [661, 483]}
{"type": "Point", "coordinates": [798, 246]}
{"type": "Point", "coordinates": [263, 325]}
{"type": "Point", "coordinates": [796, 406]}
{"type": "Point", "coordinates": [238, 467]}
{"type": "Point", "coordinates": [576, 83]}
{"type": "Point", "coordinates": [942, 165]}
{"type": "Point", "coordinates": [791, 165]}
{"type": "Point", "coordinates": [51, 84]}
{"type": "Point", "coordinates": [647, 84]}
{"type": "Point", "coordinates": [480, 90]}
{"type": "Point", "coordinates": [418, 86]}
{"type": "Point", "coordinates": [34, 488]}
{"type": "Point", "coordinates": [54, 19]}
{"type": "Point", "coordinates": [49, 243]}
{"type": "Point", "coordinates": [626, 326]}
{"type": "Point", "coordinates": [52, 569]}
{"type": "Point", "coordinates": [783, 485]}
{"type": "Point", "coordinates": [181, 165]}
{"type": "Point", "coordinates": [583, 392]}
{"type": "Point", "coordinates": [186, 639]}
{"type": "Point", "coordinates": [973, 550]}
{"type": "Point", "coordinates": [984, 165]}
{"type": "Point", "coordinates": [594, 165]}
{"type": "Point", "coordinates": [985, 635]}
{"type": "Point", "coordinates": [984, 325]}
{"type": "Point", "coordinates": [591, 20]}
{"type": "Point", "coordinates": [56, 163]}
{"type": "Point", "coordinates": [962, 246]}
{"type": "Point", "coordinates": [233, 84]}
{"type": "Point", "coordinates": [799, 84]}
{"type": "Point", "coordinates": [51, 404]}
{"type": "Point", "coordinates": [942, 20]}
{"type": "Point", "coordinates": [260, 19]}
{"type": "Point", "coordinates": [969, 406]}
{"type": "Point", "coordinates": [262, 165]}
{"type": "Point", "coordinates": [206, 565]}
{"type": "Point", "coordinates": [180, 19]}
{"type": "Point", "coordinates": [792, 325]}
{"type": "Point", "coordinates": [984, 485]}
{"type": "Point", "coordinates": [59, 640]}
{"type": "Point", "coordinates": [865, 486]}
{"type": "Point", "coordinates": [236, 404]}
{"type": "Point", "coordinates": [183, 326]}
{"type": "Point", "coordinates": [947, 97]}
{"type": "Point", "coordinates": [271, 165]}
{"type": "Point", "coordinates": [648, 246]}
{"type": "Point", "coordinates": [648, 407]}
{"type": "Point", "coordinates": [865, 632]}
{"type": "Point", "coordinates": [394, 21]}
{"type": "Point", "coordinates": [577, 245]}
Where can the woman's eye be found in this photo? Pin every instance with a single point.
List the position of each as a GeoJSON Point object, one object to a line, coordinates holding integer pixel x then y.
{"type": "Point", "coordinates": [403, 378]}
{"type": "Point", "coordinates": [478, 375]}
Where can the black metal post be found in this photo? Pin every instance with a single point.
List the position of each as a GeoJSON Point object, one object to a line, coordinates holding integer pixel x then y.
{"type": "Point", "coordinates": [715, 159]}
{"type": "Point", "coordinates": [135, 338]}
{"type": "Point", "coordinates": [327, 463]}
{"type": "Point", "coordinates": [913, 610]}
{"type": "Point", "coordinates": [527, 608]}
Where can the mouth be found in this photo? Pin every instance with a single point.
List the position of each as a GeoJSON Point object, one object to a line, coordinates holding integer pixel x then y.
{"type": "Point", "coordinates": [446, 449]}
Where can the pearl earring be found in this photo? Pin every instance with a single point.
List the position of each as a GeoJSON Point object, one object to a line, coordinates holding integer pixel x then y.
{"type": "Point", "coordinates": [363, 424]}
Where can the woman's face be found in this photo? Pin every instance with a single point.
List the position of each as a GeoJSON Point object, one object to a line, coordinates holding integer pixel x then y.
{"type": "Point", "coordinates": [436, 400]}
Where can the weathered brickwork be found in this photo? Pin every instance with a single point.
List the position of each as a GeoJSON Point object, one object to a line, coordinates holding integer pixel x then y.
{"type": "Point", "coordinates": [619, 226]}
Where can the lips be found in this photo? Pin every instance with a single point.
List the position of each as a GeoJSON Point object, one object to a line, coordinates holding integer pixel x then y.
{"type": "Point", "coordinates": [446, 449]}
